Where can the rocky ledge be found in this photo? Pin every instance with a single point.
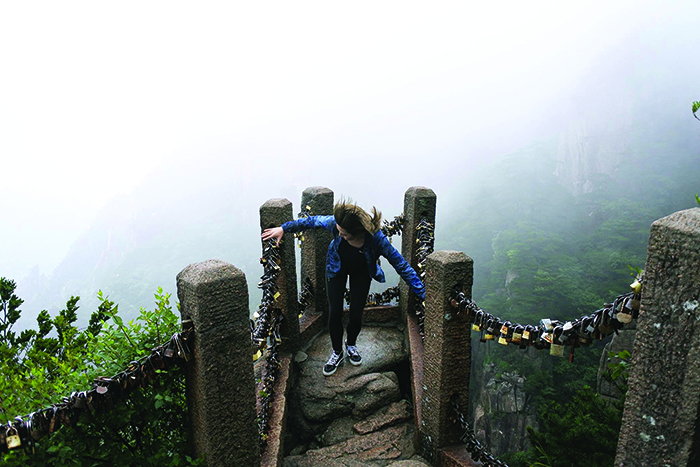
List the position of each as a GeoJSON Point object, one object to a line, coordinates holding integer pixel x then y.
{"type": "Point", "coordinates": [356, 417]}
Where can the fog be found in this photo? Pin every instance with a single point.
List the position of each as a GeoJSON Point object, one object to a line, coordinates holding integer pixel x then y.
{"type": "Point", "coordinates": [168, 106]}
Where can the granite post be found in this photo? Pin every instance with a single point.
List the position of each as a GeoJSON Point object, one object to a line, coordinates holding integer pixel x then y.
{"type": "Point", "coordinates": [419, 202]}
{"type": "Point", "coordinates": [447, 349]}
{"type": "Point", "coordinates": [219, 380]}
{"type": "Point", "coordinates": [314, 248]}
{"type": "Point", "coordinates": [661, 422]}
{"type": "Point", "coordinates": [274, 213]}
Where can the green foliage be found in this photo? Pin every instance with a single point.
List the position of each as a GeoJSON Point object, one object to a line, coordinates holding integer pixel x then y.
{"type": "Point", "coordinates": [696, 107]}
{"type": "Point", "coordinates": [146, 428]}
{"type": "Point", "coordinates": [11, 345]}
{"type": "Point", "coordinates": [581, 433]}
{"type": "Point", "coordinates": [619, 369]}
{"type": "Point", "coordinates": [697, 198]}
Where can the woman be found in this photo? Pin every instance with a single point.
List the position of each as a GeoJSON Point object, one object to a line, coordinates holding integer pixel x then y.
{"type": "Point", "coordinates": [353, 252]}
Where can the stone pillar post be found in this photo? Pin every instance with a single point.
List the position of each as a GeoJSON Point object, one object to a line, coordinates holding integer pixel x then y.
{"type": "Point", "coordinates": [219, 381]}
{"type": "Point", "coordinates": [447, 349]}
{"type": "Point", "coordinates": [661, 421]}
{"type": "Point", "coordinates": [274, 213]}
{"type": "Point", "coordinates": [314, 249]}
{"type": "Point", "coordinates": [418, 202]}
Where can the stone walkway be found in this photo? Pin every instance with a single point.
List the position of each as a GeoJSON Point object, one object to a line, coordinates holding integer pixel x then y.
{"type": "Point", "coordinates": [356, 417]}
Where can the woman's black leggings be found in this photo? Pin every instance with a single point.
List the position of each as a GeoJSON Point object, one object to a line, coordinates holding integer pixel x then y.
{"type": "Point", "coordinates": [354, 265]}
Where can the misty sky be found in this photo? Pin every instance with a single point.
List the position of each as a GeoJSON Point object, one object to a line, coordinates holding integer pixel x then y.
{"type": "Point", "coordinates": [95, 98]}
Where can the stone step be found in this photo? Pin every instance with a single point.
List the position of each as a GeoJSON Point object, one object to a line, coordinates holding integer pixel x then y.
{"type": "Point", "coordinates": [382, 448]}
{"type": "Point", "coordinates": [355, 417]}
{"type": "Point", "coordinates": [389, 415]}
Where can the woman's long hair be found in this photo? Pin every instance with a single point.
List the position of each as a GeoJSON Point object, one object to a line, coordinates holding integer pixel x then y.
{"type": "Point", "coordinates": [356, 220]}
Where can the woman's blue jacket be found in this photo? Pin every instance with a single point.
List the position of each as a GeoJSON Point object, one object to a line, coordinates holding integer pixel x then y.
{"type": "Point", "coordinates": [377, 246]}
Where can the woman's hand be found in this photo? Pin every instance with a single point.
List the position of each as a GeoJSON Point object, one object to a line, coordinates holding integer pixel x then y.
{"type": "Point", "coordinates": [274, 232]}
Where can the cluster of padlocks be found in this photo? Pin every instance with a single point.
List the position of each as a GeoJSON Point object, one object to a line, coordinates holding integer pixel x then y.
{"type": "Point", "coordinates": [267, 328]}
{"type": "Point", "coordinates": [477, 450]}
{"type": "Point", "coordinates": [305, 296]}
{"type": "Point", "coordinates": [304, 213]}
{"type": "Point", "coordinates": [553, 334]}
{"type": "Point", "coordinates": [262, 327]}
{"type": "Point", "coordinates": [383, 298]}
{"type": "Point", "coordinates": [425, 238]}
{"type": "Point", "coordinates": [272, 366]}
{"type": "Point", "coordinates": [23, 432]}
{"type": "Point", "coordinates": [393, 227]}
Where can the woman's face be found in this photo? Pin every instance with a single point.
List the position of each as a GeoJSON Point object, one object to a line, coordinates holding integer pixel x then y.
{"type": "Point", "coordinates": [345, 234]}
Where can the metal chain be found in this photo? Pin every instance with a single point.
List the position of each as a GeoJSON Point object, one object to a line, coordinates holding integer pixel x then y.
{"type": "Point", "coordinates": [303, 214]}
{"type": "Point", "coordinates": [272, 366]}
{"type": "Point", "coordinates": [425, 238]}
{"type": "Point", "coordinates": [266, 328]}
{"type": "Point", "coordinates": [268, 283]}
{"type": "Point", "coordinates": [553, 334]}
{"type": "Point", "coordinates": [383, 298]}
{"type": "Point", "coordinates": [477, 450]}
{"type": "Point", "coordinates": [24, 431]}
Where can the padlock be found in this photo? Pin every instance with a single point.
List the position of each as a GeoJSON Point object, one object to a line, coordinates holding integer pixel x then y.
{"type": "Point", "coordinates": [504, 328]}
{"type": "Point", "coordinates": [556, 349]}
{"type": "Point", "coordinates": [605, 316]}
{"type": "Point", "coordinates": [558, 335]}
{"type": "Point", "coordinates": [12, 437]}
{"type": "Point", "coordinates": [625, 314]}
{"type": "Point", "coordinates": [536, 337]}
{"type": "Point", "coordinates": [502, 340]}
{"type": "Point", "coordinates": [491, 325]}
{"type": "Point", "coordinates": [479, 318]}
{"type": "Point", "coordinates": [546, 324]}
{"type": "Point", "coordinates": [587, 326]}
{"type": "Point", "coordinates": [636, 286]}
{"type": "Point", "coordinates": [517, 334]}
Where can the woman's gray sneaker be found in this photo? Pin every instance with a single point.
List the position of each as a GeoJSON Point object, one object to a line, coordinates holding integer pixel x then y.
{"type": "Point", "coordinates": [353, 354]}
{"type": "Point", "coordinates": [332, 363]}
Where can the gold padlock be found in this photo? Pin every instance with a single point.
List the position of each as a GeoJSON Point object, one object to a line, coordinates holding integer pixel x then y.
{"type": "Point", "coordinates": [557, 350]}
{"type": "Point", "coordinates": [636, 286]}
{"type": "Point", "coordinates": [625, 314]}
{"type": "Point", "coordinates": [516, 337]}
{"type": "Point", "coordinates": [12, 440]}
